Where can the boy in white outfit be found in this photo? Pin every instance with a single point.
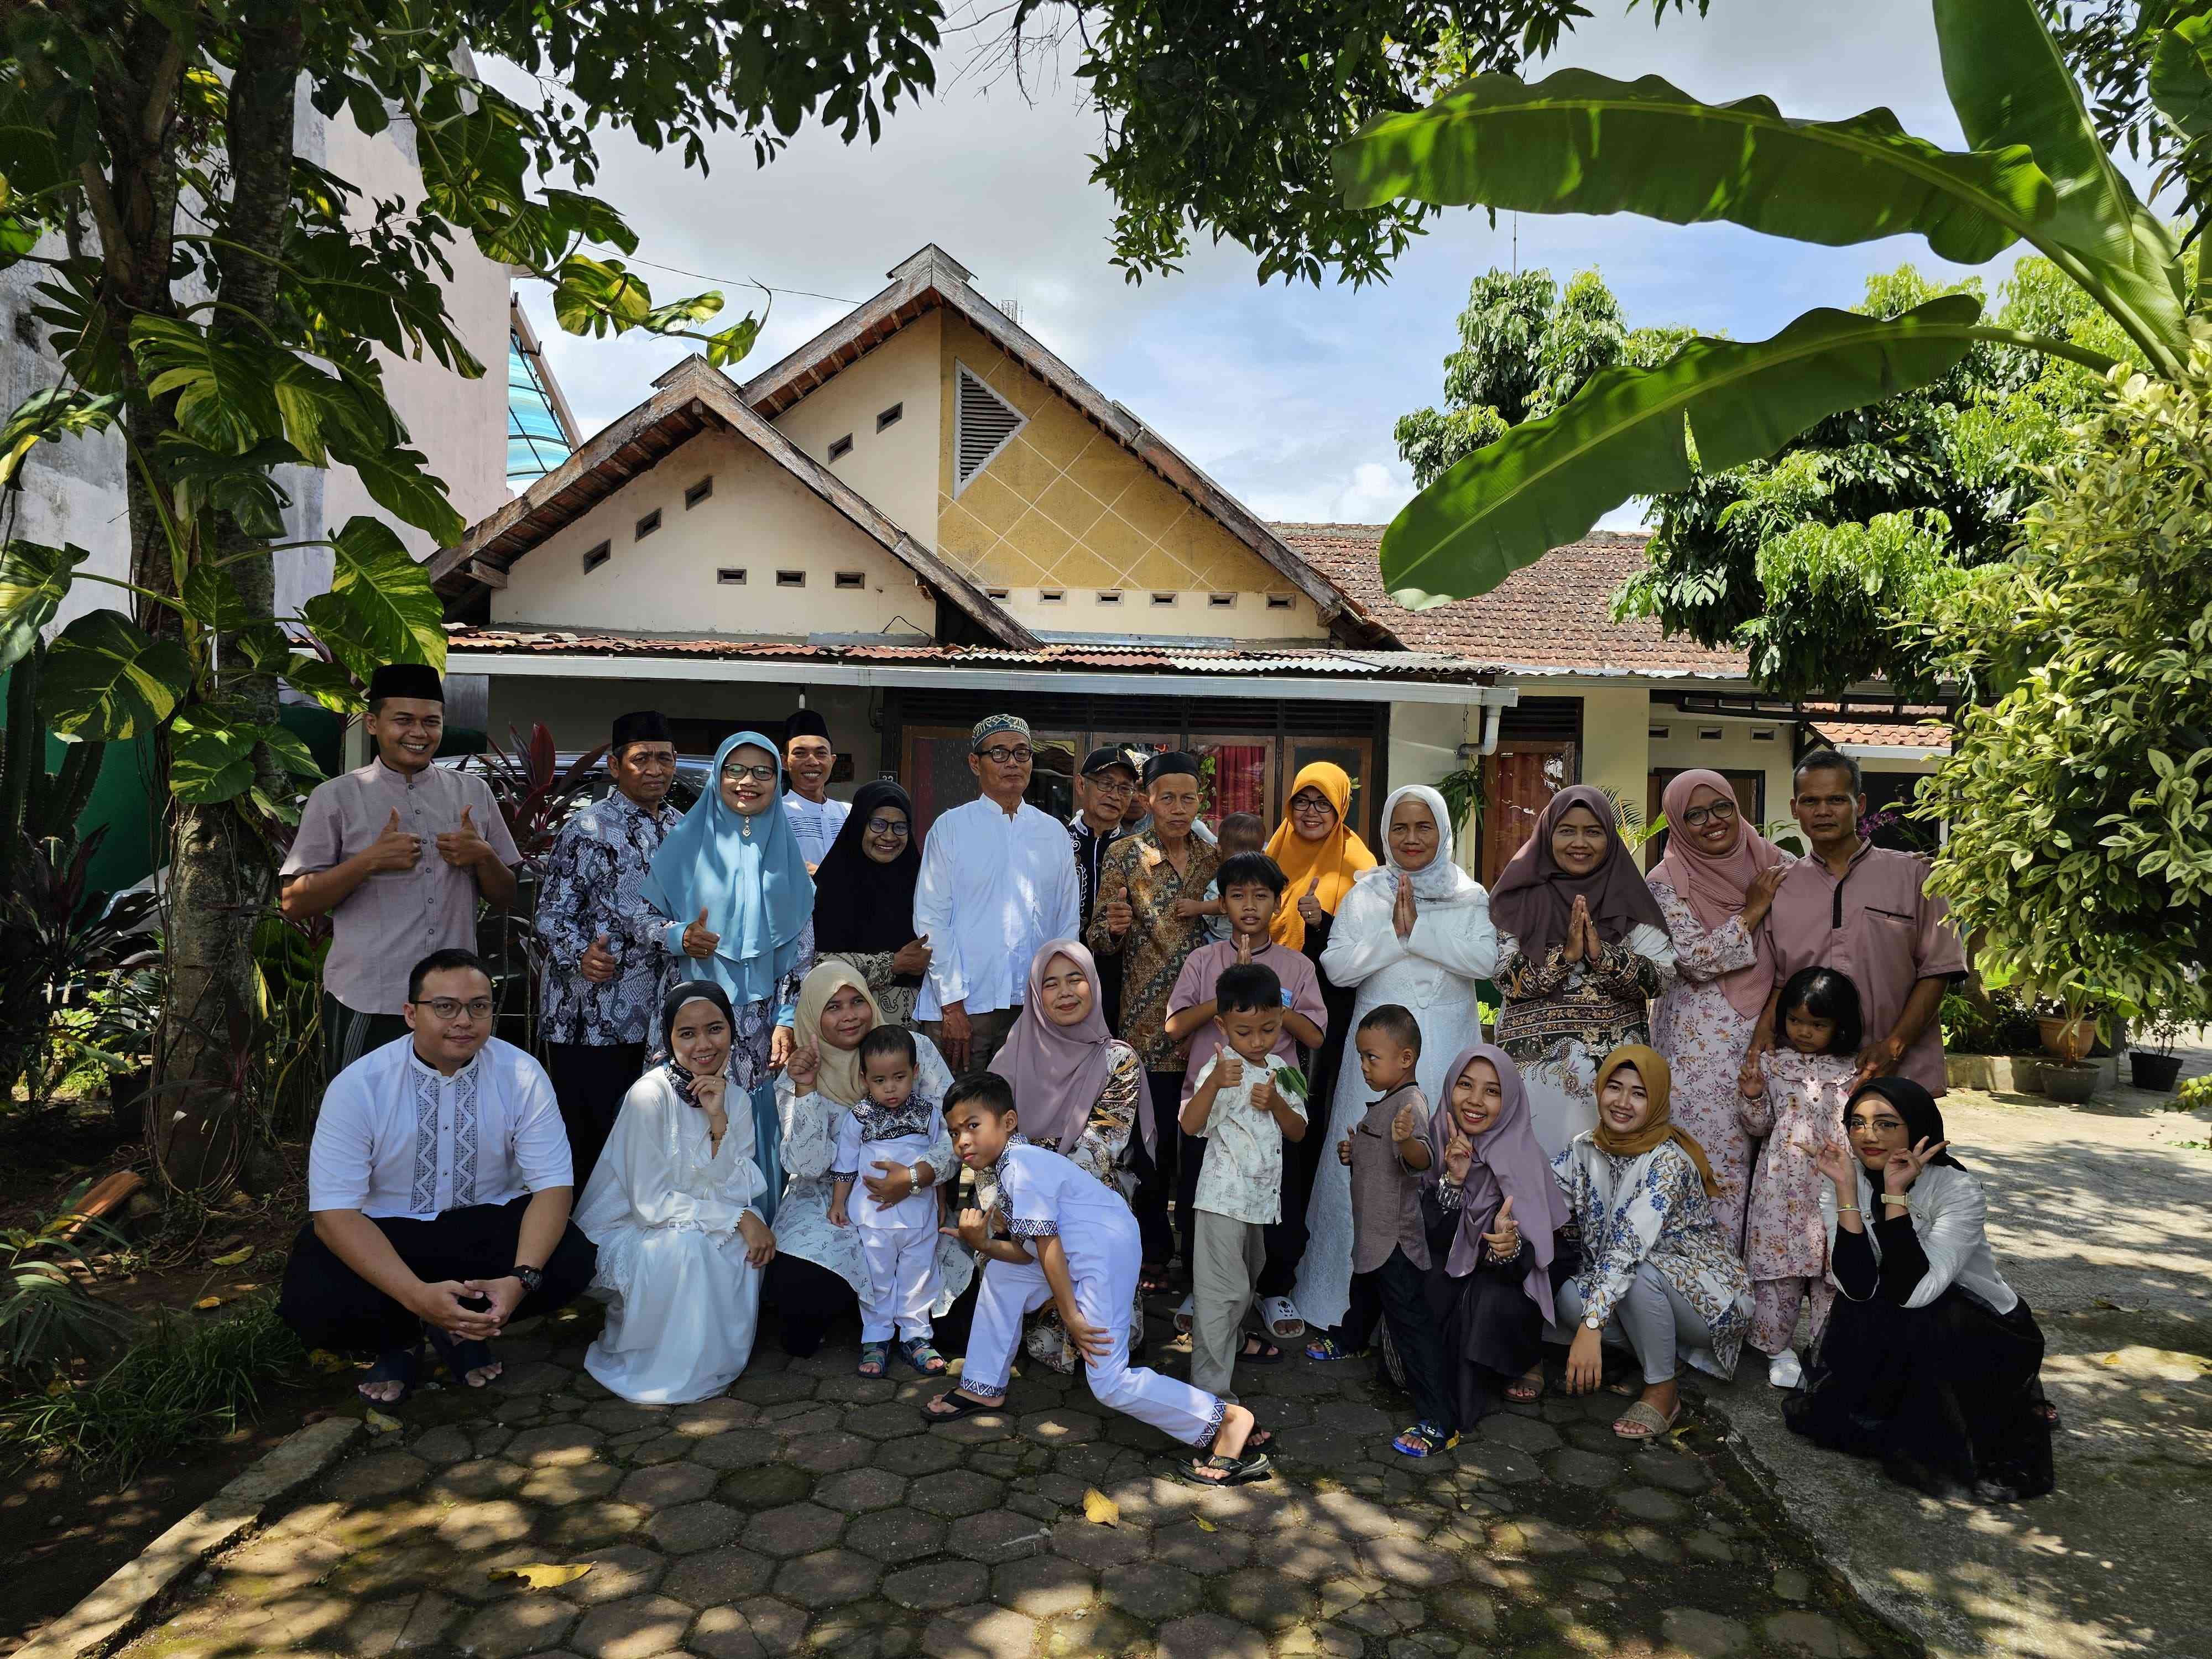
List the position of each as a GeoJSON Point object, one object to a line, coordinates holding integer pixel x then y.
{"type": "Point", "coordinates": [1071, 1239]}
{"type": "Point", "coordinates": [1243, 1111]}
{"type": "Point", "coordinates": [898, 1241]}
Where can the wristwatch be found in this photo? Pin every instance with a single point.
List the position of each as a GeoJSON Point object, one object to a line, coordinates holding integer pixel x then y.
{"type": "Point", "coordinates": [532, 1278]}
{"type": "Point", "coordinates": [1593, 1323]}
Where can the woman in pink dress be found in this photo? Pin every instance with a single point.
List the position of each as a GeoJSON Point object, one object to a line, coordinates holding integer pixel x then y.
{"type": "Point", "coordinates": [1714, 887]}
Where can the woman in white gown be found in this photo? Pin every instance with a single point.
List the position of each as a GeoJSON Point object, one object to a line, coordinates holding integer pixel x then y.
{"type": "Point", "coordinates": [1414, 931]}
{"type": "Point", "coordinates": [671, 1206]}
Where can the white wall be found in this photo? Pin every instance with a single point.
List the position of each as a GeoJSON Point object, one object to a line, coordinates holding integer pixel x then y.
{"type": "Point", "coordinates": [1736, 750]}
{"type": "Point", "coordinates": [758, 519]}
{"type": "Point", "coordinates": [896, 469]}
{"type": "Point", "coordinates": [1424, 740]}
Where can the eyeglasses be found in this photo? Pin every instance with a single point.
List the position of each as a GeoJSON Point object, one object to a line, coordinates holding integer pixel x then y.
{"type": "Point", "coordinates": [1698, 816]}
{"type": "Point", "coordinates": [1306, 807]}
{"type": "Point", "coordinates": [998, 755]}
{"type": "Point", "coordinates": [454, 1007]}
{"type": "Point", "coordinates": [739, 772]}
{"type": "Point", "coordinates": [896, 827]}
{"type": "Point", "coordinates": [1112, 786]}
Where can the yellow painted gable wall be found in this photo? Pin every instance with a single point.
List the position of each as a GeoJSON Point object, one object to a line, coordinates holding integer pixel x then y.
{"type": "Point", "coordinates": [1064, 508]}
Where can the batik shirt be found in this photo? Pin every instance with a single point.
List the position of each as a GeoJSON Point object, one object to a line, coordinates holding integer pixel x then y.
{"type": "Point", "coordinates": [592, 877]}
{"type": "Point", "coordinates": [1158, 942]}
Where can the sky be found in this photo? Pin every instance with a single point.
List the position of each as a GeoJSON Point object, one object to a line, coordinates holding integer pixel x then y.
{"type": "Point", "coordinates": [1286, 394]}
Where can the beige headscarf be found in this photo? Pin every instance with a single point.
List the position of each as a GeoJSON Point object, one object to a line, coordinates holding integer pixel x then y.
{"type": "Point", "coordinates": [1658, 1079]}
{"type": "Point", "coordinates": [839, 1077]}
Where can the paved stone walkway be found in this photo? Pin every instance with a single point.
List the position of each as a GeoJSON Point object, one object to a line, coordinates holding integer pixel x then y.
{"type": "Point", "coordinates": [812, 1511]}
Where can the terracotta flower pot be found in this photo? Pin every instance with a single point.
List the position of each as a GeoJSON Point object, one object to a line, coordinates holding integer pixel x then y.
{"type": "Point", "coordinates": [2069, 1039]}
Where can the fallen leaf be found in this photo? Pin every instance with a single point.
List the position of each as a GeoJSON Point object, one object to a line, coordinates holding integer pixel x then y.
{"type": "Point", "coordinates": [1205, 1525]}
{"type": "Point", "coordinates": [543, 1576]}
{"type": "Point", "coordinates": [324, 1360]}
{"type": "Point", "coordinates": [379, 1424]}
{"type": "Point", "coordinates": [2111, 1359]}
{"type": "Point", "coordinates": [316, 1416]}
{"type": "Point", "coordinates": [1100, 1510]}
{"type": "Point", "coordinates": [234, 1258]}
{"type": "Point", "coordinates": [207, 1302]}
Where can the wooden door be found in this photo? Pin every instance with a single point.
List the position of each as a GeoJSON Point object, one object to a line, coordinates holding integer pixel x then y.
{"type": "Point", "coordinates": [1519, 782]}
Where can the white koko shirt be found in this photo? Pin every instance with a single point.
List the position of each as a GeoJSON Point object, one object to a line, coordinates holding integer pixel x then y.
{"type": "Point", "coordinates": [993, 888]}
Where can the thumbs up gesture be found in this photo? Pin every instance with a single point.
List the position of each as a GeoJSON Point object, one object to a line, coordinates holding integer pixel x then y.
{"type": "Point", "coordinates": [463, 848]}
{"type": "Point", "coordinates": [1309, 903]}
{"type": "Point", "coordinates": [394, 848]}
{"type": "Point", "coordinates": [1504, 1242]}
{"type": "Point", "coordinates": [599, 964]}
{"type": "Point", "coordinates": [1121, 915]}
{"type": "Point", "coordinates": [699, 940]}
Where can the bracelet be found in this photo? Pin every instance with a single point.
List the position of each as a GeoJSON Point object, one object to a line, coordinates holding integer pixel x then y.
{"type": "Point", "coordinates": [1847, 1209]}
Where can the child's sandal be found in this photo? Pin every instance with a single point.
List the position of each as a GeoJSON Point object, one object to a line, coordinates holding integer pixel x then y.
{"type": "Point", "coordinates": [917, 1352]}
{"type": "Point", "coordinates": [1425, 1440]}
{"type": "Point", "coordinates": [1328, 1348]}
{"type": "Point", "coordinates": [875, 1360]}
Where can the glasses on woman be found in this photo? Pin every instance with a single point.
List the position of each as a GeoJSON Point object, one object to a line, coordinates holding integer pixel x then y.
{"type": "Point", "coordinates": [454, 1007]}
{"type": "Point", "coordinates": [1719, 812]}
{"type": "Point", "coordinates": [896, 827]}
{"type": "Point", "coordinates": [739, 772]}
{"type": "Point", "coordinates": [1306, 806]}
{"type": "Point", "coordinates": [1000, 754]}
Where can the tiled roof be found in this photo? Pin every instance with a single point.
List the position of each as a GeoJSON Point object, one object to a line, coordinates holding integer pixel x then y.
{"type": "Point", "coordinates": [1553, 618]}
{"type": "Point", "coordinates": [461, 639]}
{"type": "Point", "coordinates": [1905, 733]}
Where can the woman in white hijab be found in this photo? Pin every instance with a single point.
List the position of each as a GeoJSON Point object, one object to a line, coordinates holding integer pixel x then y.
{"type": "Point", "coordinates": [672, 1207]}
{"type": "Point", "coordinates": [1415, 930]}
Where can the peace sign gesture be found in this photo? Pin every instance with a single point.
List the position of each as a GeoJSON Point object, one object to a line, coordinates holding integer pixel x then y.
{"type": "Point", "coordinates": [1905, 1165]}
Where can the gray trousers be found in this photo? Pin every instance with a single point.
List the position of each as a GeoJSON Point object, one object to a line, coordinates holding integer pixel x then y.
{"type": "Point", "coordinates": [1653, 1321]}
{"type": "Point", "coordinates": [1226, 1256]}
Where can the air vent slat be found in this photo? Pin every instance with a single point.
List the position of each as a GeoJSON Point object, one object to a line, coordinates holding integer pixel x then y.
{"type": "Point", "coordinates": [983, 424]}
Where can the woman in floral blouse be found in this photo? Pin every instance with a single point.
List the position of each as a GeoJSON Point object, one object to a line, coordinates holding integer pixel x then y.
{"type": "Point", "coordinates": [1657, 1276]}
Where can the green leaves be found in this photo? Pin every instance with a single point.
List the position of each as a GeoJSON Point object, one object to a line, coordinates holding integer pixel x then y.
{"type": "Point", "coordinates": [400, 616]}
{"type": "Point", "coordinates": [47, 416]}
{"type": "Point", "coordinates": [33, 581]}
{"type": "Point", "coordinates": [1627, 432]}
{"type": "Point", "coordinates": [1582, 143]}
{"type": "Point", "coordinates": [107, 680]}
{"type": "Point", "coordinates": [598, 297]}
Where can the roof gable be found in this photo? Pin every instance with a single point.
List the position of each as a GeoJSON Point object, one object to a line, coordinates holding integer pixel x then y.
{"type": "Point", "coordinates": [686, 401]}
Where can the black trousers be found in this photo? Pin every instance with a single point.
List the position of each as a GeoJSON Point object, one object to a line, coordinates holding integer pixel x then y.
{"type": "Point", "coordinates": [590, 1080]}
{"type": "Point", "coordinates": [348, 1034]}
{"type": "Point", "coordinates": [1158, 1170]}
{"type": "Point", "coordinates": [330, 1306]}
{"type": "Point", "coordinates": [1394, 1293]}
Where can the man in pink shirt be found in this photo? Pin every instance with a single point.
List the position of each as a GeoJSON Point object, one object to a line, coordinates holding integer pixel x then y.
{"type": "Point", "coordinates": [1865, 912]}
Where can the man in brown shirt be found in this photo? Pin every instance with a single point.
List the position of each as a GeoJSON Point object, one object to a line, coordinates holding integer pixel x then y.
{"type": "Point", "coordinates": [1150, 888]}
{"type": "Point", "coordinates": [396, 854]}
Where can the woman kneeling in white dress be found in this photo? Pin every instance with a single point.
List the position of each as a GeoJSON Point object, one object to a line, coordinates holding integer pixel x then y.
{"type": "Point", "coordinates": [671, 1208]}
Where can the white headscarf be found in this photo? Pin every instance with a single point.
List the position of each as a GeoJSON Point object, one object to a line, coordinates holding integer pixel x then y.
{"type": "Point", "coordinates": [1440, 881]}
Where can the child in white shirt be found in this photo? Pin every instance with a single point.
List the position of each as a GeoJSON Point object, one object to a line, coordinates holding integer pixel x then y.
{"type": "Point", "coordinates": [898, 1241]}
{"type": "Point", "coordinates": [1241, 1109]}
{"type": "Point", "coordinates": [1069, 1239]}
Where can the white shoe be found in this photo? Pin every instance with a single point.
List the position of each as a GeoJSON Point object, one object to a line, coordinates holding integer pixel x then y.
{"type": "Point", "coordinates": [1782, 1370]}
{"type": "Point", "coordinates": [1185, 1314]}
{"type": "Point", "coordinates": [1281, 1318]}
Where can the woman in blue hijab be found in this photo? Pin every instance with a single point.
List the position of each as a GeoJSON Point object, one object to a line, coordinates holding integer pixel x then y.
{"type": "Point", "coordinates": [730, 888]}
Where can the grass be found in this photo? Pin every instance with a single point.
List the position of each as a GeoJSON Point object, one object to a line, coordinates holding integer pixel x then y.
{"type": "Point", "coordinates": [185, 1379]}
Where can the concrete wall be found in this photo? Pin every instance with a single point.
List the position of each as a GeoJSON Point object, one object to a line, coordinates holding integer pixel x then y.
{"type": "Point", "coordinates": [758, 519]}
{"type": "Point", "coordinates": [1424, 740]}
{"type": "Point", "coordinates": [896, 469]}
{"type": "Point", "coordinates": [1616, 751]}
{"type": "Point", "coordinates": [1736, 750]}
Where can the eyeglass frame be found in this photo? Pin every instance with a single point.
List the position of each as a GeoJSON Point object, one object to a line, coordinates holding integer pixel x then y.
{"type": "Point", "coordinates": [900, 828]}
{"type": "Point", "coordinates": [476, 1008]}
{"type": "Point", "coordinates": [737, 772]}
{"type": "Point", "coordinates": [998, 755]}
{"type": "Point", "coordinates": [1697, 817]}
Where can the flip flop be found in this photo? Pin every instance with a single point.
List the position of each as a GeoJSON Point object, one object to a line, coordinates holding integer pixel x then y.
{"type": "Point", "coordinates": [961, 1406]}
{"type": "Point", "coordinates": [1267, 1354]}
{"type": "Point", "coordinates": [1151, 1280]}
{"type": "Point", "coordinates": [1521, 1392]}
{"type": "Point", "coordinates": [1642, 1421]}
{"type": "Point", "coordinates": [917, 1352]}
{"type": "Point", "coordinates": [400, 1366]}
{"type": "Point", "coordinates": [1219, 1471]}
{"type": "Point", "coordinates": [460, 1357]}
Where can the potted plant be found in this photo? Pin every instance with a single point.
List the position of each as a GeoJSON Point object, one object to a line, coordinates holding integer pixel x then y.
{"type": "Point", "coordinates": [2068, 1027]}
{"type": "Point", "coordinates": [2151, 1063]}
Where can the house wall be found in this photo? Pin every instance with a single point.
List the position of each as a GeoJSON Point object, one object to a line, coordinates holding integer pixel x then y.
{"type": "Point", "coordinates": [1616, 742]}
{"type": "Point", "coordinates": [896, 469]}
{"type": "Point", "coordinates": [1064, 509]}
{"type": "Point", "coordinates": [1734, 751]}
{"type": "Point", "coordinates": [1424, 740]}
{"type": "Point", "coordinates": [758, 519]}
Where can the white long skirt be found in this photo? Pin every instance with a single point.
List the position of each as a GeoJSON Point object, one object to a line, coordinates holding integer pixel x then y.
{"type": "Point", "coordinates": [682, 1328]}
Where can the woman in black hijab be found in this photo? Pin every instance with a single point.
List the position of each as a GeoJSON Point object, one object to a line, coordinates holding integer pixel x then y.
{"type": "Point", "coordinates": [1930, 1361]}
{"type": "Point", "coordinates": [864, 899]}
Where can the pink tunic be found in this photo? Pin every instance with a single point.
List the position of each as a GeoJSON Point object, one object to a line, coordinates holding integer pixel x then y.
{"type": "Point", "coordinates": [1704, 1040]}
{"type": "Point", "coordinates": [1803, 1108]}
{"type": "Point", "coordinates": [1880, 926]}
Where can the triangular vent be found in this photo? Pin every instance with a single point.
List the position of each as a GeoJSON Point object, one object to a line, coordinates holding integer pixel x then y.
{"type": "Point", "coordinates": [983, 424]}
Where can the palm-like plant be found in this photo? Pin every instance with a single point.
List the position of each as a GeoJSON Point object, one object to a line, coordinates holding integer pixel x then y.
{"type": "Point", "coordinates": [1582, 143]}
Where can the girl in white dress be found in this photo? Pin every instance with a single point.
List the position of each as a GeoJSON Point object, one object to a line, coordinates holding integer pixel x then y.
{"type": "Point", "coordinates": [670, 1206]}
{"type": "Point", "coordinates": [1414, 931]}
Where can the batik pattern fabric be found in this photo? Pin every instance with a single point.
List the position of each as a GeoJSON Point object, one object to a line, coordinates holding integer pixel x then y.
{"type": "Point", "coordinates": [1558, 1019]}
{"type": "Point", "coordinates": [590, 888]}
{"type": "Point", "coordinates": [1652, 1207]}
{"type": "Point", "coordinates": [1153, 952]}
{"type": "Point", "coordinates": [753, 1023]}
{"type": "Point", "coordinates": [894, 1001]}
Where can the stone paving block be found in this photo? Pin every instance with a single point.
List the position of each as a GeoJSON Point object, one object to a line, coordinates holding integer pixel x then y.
{"type": "Point", "coordinates": [981, 1429]}
{"type": "Point", "coordinates": [1791, 1585]}
{"type": "Point", "coordinates": [430, 1616]}
{"type": "Point", "coordinates": [590, 1526]}
{"type": "Point", "coordinates": [1150, 1590]}
{"type": "Point", "coordinates": [826, 1577]}
{"type": "Point", "coordinates": [882, 1419]}
{"type": "Point", "coordinates": [570, 1486]}
{"type": "Point", "coordinates": [1698, 1634]}
{"type": "Point", "coordinates": [1709, 1546]}
{"type": "Point", "coordinates": [1206, 1636]}
{"type": "Point", "coordinates": [446, 1444]}
{"type": "Point", "coordinates": [1099, 1630]}
{"type": "Point", "coordinates": [641, 1627]}
{"type": "Point", "coordinates": [486, 1525]}
{"type": "Point", "coordinates": [620, 1416]}
{"type": "Point", "coordinates": [797, 1417]}
{"type": "Point", "coordinates": [936, 1584]}
{"type": "Point", "coordinates": [794, 1529]}
{"type": "Point", "coordinates": [525, 1625]}
{"type": "Point", "coordinates": [958, 1493]}
{"type": "Point", "coordinates": [1409, 1564]}
{"type": "Point", "coordinates": [1096, 1546]}
{"type": "Point", "coordinates": [1347, 1515]}
{"type": "Point", "coordinates": [689, 1526]}
{"type": "Point", "coordinates": [858, 1490]}
{"type": "Point", "coordinates": [1645, 1504]}
{"type": "Point", "coordinates": [561, 1445]}
{"type": "Point", "coordinates": [533, 1379]}
{"type": "Point", "coordinates": [1044, 1586]}
{"type": "Point", "coordinates": [1676, 1471]}
{"type": "Point", "coordinates": [666, 1486]}
{"type": "Point", "coordinates": [1189, 1545]}
{"type": "Point", "coordinates": [1256, 1596]}
{"type": "Point", "coordinates": [617, 1572]}
{"type": "Point", "coordinates": [1652, 1544]}
{"type": "Point", "coordinates": [737, 1449]}
{"type": "Point", "coordinates": [492, 1440]}
{"type": "Point", "coordinates": [477, 1478]}
{"type": "Point", "coordinates": [1575, 1468]}
{"type": "Point", "coordinates": [702, 1419]}
{"type": "Point", "coordinates": [712, 1578]}
{"type": "Point", "coordinates": [1321, 1642]}
{"type": "Point", "coordinates": [1497, 1465]}
{"type": "Point", "coordinates": [826, 1453]}
{"type": "Point", "coordinates": [1146, 1499]}
{"type": "Point", "coordinates": [998, 1535]}
{"type": "Point", "coordinates": [1528, 1434]}
{"type": "Point", "coordinates": [761, 1387]}
{"type": "Point", "coordinates": [844, 1389]}
{"type": "Point", "coordinates": [1531, 1535]}
{"type": "Point", "coordinates": [1301, 1553]}
{"type": "Point", "coordinates": [1812, 1633]}
{"type": "Point", "coordinates": [1060, 1427]}
{"type": "Point", "coordinates": [666, 1449]}
{"type": "Point", "coordinates": [777, 1623]}
{"type": "Point", "coordinates": [723, 1633]}
{"type": "Point", "coordinates": [765, 1488]}
{"type": "Point", "coordinates": [916, 1454]}
{"type": "Point", "coordinates": [1466, 1609]}
{"type": "Point", "coordinates": [896, 1536]}
{"type": "Point", "coordinates": [980, 1632]}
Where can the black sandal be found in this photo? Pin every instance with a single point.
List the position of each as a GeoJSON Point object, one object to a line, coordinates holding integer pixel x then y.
{"type": "Point", "coordinates": [1237, 1471]}
{"type": "Point", "coordinates": [400, 1366]}
{"type": "Point", "coordinates": [460, 1358]}
{"type": "Point", "coordinates": [962, 1405]}
{"type": "Point", "coordinates": [1265, 1354]}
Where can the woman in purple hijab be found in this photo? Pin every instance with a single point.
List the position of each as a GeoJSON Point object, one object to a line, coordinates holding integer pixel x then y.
{"type": "Point", "coordinates": [1494, 1235]}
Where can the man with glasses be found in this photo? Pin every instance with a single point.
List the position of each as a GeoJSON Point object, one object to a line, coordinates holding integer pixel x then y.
{"type": "Point", "coordinates": [396, 854]}
{"type": "Point", "coordinates": [997, 880]}
{"type": "Point", "coordinates": [809, 758]}
{"type": "Point", "coordinates": [438, 1188]}
{"type": "Point", "coordinates": [600, 988]}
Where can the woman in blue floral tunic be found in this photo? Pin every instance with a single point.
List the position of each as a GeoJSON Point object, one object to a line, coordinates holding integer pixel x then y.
{"type": "Point", "coordinates": [1657, 1276]}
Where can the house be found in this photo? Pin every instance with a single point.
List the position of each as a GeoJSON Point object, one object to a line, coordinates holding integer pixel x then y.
{"type": "Point", "coordinates": [923, 515]}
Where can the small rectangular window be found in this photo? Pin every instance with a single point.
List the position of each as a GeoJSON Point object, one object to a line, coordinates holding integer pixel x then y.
{"type": "Point", "coordinates": [841, 447]}
{"type": "Point", "coordinates": [1110, 596]}
{"type": "Point", "coordinates": [648, 524]}
{"type": "Point", "coordinates": [1763, 735]}
{"type": "Point", "coordinates": [1051, 595]}
{"type": "Point", "coordinates": [698, 493]}
{"type": "Point", "coordinates": [889, 416]}
{"type": "Point", "coordinates": [731, 575]}
{"type": "Point", "coordinates": [1164, 598]}
{"type": "Point", "coordinates": [995, 592]}
{"type": "Point", "coordinates": [596, 556]}
{"type": "Point", "coordinates": [1658, 732]}
{"type": "Point", "coordinates": [852, 579]}
{"type": "Point", "coordinates": [1220, 601]}
{"type": "Point", "coordinates": [1709, 734]}
{"type": "Point", "coordinates": [1280, 601]}
{"type": "Point", "coordinates": [791, 578]}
